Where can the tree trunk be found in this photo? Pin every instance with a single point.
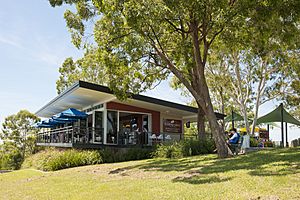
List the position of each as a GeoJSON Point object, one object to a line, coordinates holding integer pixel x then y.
{"type": "Point", "coordinates": [222, 108]}
{"type": "Point", "coordinates": [201, 124]}
{"type": "Point", "coordinates": [260, 91]}
{"type": "Point", "coordinates": [24, 143]}
{"type": "Point", "coordinates": [245, 116]}
{"type": "Point", "coordinates": [201, 89]}
{"type": "Point", "coordinates": [218, 134]}
{"type": "Point", "coordinates": [255, 113]}
{"type": "Point", "coordinates": [207, 107]}
{"type": "Point", "coordinates": [198, 88]}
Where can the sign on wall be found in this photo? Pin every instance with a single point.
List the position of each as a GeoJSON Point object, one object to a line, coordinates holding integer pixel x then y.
{"type": "Point", "coordinates": [172, 126]}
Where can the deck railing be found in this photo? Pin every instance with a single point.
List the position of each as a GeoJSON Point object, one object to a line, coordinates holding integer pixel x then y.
{"type": "Point", "coordinates": [71, 134]}
{"type": "Point", "coordinates": [145, 138]}
{"type": "Point", "coordinates": [91, 135]}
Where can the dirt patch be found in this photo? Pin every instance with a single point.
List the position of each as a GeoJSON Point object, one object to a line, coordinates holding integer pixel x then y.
{"type": "Point", "coordinates": [272, 197]}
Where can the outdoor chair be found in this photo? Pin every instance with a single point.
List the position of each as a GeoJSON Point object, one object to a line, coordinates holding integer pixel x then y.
{"type": "Point", "coordinates": [236, 148]}
{"type": "Point", "coordinates": [160, 137]}
{"type": "Point", "coordinates": [168, 137]}
{"type": "Point", "coordinates": [153, 136]}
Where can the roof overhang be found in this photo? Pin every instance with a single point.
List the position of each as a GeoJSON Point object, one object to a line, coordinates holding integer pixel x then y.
{"type": "Point", "coordinates": [83, 94]}
{"type": "Point", "coordinates": [77, 96]}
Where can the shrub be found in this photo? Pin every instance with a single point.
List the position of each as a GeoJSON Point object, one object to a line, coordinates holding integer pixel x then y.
{"type": "Point", "coordinates": [268, 144]}
{"type": "Point", "coordinates": [253, 142]}
{"type": "Point", "coordinates": [72, 158]}
{"type": "Point", "coordinates": [117, 155]}
{"type": "Point", "coordinates": [170, 150]}
{"type": "Point", "coordinates": [184, 148]}
{"type": "Point", "coordinates": [10, 157]}
{"type": "Point", "coordinates": [138, 153]}
{"type": "Point", "coordinates": [38, 160]}
{"type": "Point", "coordinates": [53, 159]}
{"type": "Point", "coordinates": [197, 147]}
{"type": "Point", "coordinates": [108, 156]}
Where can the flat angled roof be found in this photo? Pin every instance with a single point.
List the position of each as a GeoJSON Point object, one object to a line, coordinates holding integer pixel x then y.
{"type": "Point", "coordinates": [106, 90]}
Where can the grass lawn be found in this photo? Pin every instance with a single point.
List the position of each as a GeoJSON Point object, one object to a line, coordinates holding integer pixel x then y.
{"type": "Point", "coordinates": [269, 174]}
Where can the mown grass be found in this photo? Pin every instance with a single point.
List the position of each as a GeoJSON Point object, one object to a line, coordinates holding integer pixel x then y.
{"type": "Point", "coordinates": [271, 174]}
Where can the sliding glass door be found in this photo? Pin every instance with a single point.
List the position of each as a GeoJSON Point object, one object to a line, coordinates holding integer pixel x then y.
{"type": "Point", "coordinates": [126, 128]}
{"type": "Point", "coordinates": [98, 130]}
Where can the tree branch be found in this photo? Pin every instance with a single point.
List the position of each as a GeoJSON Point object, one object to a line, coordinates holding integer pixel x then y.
{"type": "Point", "coordinates": [215, 35]}
{"type": "Point", "coordinates": [181, 30]}
{"type": "Point", "coordinates": [156, 38]}
{"type": "Point", "coordinates": [178, 74]}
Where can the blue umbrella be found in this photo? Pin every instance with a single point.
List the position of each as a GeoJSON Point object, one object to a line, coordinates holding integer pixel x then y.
{"type": "Point", "coordinates": [55, 121]}
{"type": "Point", "coordinates": [50, 122]}
{"type": "Point", "coordinates": [63, 120]}
{"type": "Point", "coordinates": [43, 125]}
{"type": "Point", "coordinates": [71, 113]}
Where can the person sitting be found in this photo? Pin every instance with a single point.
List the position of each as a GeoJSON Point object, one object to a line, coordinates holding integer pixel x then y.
{"type": "Point", "coordinates": [228, 135]}
{"type": "Point", "coordinates": [234, 139]}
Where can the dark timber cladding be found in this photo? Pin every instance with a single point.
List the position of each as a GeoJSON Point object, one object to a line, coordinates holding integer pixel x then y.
{"type": "Point", "coordinates": [139, 97]}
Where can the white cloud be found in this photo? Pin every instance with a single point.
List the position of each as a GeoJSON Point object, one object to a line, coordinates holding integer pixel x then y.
{"type": "Point", "coordinates": [11, 40]}
{"type": "Point", "coordinates": [48, 50]}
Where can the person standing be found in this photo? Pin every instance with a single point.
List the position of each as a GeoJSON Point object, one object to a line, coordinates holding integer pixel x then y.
{"type": "Point", "coordinates": [245, 143]}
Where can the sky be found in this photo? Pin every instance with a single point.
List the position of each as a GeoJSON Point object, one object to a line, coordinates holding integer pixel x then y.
{"type": "Point", "coordinates": [34, 42]}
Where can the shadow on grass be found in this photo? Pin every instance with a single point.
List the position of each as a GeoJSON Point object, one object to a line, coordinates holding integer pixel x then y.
{"type": "Point", "coordinates": [201, 179]}
{"type": "Point", "coordinates": [4, 171]}
{"type": "Point", "coordinates": [275, 162]}
{"type": "Point", "coordinates": [167, 165]}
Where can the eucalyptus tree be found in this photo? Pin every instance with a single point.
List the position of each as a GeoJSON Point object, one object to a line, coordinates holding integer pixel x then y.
{"type": "Point", "coordinates": [18, 130]}
{"type": "Point", "coordinates": [292, 94]}
{"type": "Point", "coordinates": [261, 54]}
{"type": "Point", "coordinates": [219, 79]}
{"type": "Point", "coordinates": [257, 79]}
{"type": "Point", "coordinates": [140, 43]}
{"type": "Point", "coordinates": [274, 42]}
{"type": "Point", "coordinates": [220, 88]}
{"type": "Point", "coordinates": [69, 73]}
{"type": "Point", "coordinates": [85, 69]}
{"type": "Point", "coordinates": [271, 81]}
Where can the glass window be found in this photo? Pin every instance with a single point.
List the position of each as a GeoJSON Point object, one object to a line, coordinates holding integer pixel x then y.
{"type": "Point", "coordinates": [145, 123]}
{"type": "Point", "coordinates": [98, 119]}
{"type": "Point", "coordinates": [90, 128]}
{"type": "Point", "coordinates": [112, 127]}
{"type": "Point", "coordinates": [98, 127]}
{"type": "Point", "coordinates": [82, 123]}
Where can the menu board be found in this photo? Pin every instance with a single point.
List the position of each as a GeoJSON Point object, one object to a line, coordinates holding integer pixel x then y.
{"type": "Point", "coordinates": [172, 126]}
